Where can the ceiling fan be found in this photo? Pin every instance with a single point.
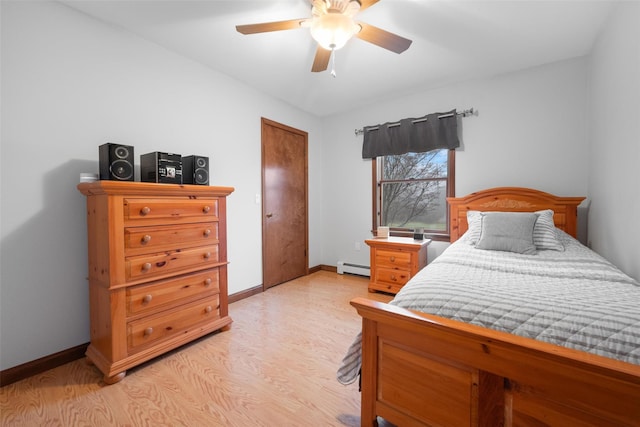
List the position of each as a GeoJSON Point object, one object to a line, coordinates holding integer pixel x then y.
{"type": "Point", "coordinates": [332, 25]}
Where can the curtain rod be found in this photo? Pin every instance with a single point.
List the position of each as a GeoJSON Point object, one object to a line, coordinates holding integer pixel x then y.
{"type": "Point", "coordinates": [470, 112]}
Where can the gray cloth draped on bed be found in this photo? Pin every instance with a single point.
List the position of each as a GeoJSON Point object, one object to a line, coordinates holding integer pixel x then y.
{"type": "Point", "coordinates": [574, 298]}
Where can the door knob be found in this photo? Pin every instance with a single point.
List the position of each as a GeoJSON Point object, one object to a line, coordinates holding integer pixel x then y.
{"type": "Point", "coordinates": [269, 215]}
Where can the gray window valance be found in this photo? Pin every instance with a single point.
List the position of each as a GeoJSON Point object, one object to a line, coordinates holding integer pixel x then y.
{"type": "Point", "coordinates": [431, 132]}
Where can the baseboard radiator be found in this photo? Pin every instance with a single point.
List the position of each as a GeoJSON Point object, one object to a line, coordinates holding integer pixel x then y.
{"type": "Point", "coordinates": [349, 268]}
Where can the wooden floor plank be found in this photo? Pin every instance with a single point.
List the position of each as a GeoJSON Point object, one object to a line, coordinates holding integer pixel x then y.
{"type": "Point", "coordinates": [276, 366]}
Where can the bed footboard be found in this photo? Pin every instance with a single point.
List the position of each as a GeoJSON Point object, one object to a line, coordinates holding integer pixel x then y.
{"type": "Point", "coordinates": [420, 369]}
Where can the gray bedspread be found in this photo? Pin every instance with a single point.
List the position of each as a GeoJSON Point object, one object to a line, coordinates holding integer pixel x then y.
{"type": "Point", "coordinates": [574, 298]}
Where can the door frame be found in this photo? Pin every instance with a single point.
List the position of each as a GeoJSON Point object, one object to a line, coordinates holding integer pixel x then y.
{"type": "Point", "coordinates": [305, 135]}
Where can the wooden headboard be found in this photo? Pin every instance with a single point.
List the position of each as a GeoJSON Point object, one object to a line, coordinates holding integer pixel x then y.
{"type": "Point", "coordinates": [512, 199]}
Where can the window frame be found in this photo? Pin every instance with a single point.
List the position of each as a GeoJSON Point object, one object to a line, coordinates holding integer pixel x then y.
{"type": "Point", "coordinates": [376, 195]}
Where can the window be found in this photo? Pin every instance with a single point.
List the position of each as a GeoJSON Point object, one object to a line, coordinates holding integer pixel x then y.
{"type": "Point", "coordinates": [411, 190]}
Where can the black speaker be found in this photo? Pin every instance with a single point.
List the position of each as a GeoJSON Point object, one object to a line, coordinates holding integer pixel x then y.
{"type": "Point", "coordinates": [116, 162]}
{"type": "Point", "coordinates": [195, 170]}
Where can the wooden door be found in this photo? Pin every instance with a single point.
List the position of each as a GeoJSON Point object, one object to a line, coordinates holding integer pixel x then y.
{"type": "Point", "coordinates": [284, 203]}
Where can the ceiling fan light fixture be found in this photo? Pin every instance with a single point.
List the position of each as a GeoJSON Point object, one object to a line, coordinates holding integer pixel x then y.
{"type": "Point", "coordinates": [333, 29]}
{"type": "Point", "coordinates": [332, 25]}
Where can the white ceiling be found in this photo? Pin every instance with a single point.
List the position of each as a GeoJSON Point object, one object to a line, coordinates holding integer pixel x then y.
{"type": "Point", "coordinates": [453, 41]}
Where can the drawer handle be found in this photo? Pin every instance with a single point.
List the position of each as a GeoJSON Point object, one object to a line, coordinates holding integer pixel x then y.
{"type": "Point", "coordinates": [392, 259]}
{"type": "Point", "coordinates": [145, 211]}
{"type": "Point", "coordinates": [148, 332]}
{"type": "Point", "coordinates": [206, 232]}
{"type": "Point", "coordinates": [146, 267]}
{"type": "Point", "coordinates": [208, 282]}
{"type": "Point", "coordinates": [145, 239]}
{"type": "Point", "coordinates": [394, 278]}
{"type": "Point", "coordinates": [207, 255]}
{"type": "Point", "coordinates": [206, 209]}
{"type": "Point", "coordinates": [209, 309]}
{"type": "Point", "coordinates": [147, 299]}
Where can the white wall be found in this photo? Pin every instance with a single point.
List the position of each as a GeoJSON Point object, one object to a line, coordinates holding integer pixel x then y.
{"type": "Point", "coordinates": [614, 179]}
{"type": "Point", "coordinates": [530, 132]}
{"type": "Point", "coordinates": [69, 84]}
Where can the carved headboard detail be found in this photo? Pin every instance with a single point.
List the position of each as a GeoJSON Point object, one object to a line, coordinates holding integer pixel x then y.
{"type": "Point", "coordinates": [513, 199]}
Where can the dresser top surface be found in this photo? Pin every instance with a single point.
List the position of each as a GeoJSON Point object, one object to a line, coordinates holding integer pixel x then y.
{"type": "Point", "coordinates": [151, 189]}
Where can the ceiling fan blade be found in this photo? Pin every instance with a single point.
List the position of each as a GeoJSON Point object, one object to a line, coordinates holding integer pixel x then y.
{"type": "Point", "coordinates": [382, 38]}
{"type": "Point", "coordinates": [321, 60]}
{"type": "Point", "coordinates": [266, 27]}
{"type": "Point", "coordinates": [366, 3]}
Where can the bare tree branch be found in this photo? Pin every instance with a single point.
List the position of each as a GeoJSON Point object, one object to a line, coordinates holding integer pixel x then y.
{"type": "Point", "coordinates": [411, 186]}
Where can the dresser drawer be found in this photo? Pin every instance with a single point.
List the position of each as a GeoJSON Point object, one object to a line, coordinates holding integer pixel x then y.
{"type": "Point", "coordinates": [151, 330]}
{"type": "Point", "coordinates": [148, 210]}
{"type": "Point", "coordinates": [393, 277]}
{"type": "Point", "coordinates": [159, 263]}
{"type": "Point", "coordinates": [147, 298]}
{"type": "Point", "coordinates": [393, 259]}
{"type": "Point", "coordinates": [139, 240]}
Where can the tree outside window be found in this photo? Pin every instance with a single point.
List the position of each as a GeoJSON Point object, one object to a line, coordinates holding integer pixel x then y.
{"type": "Point", "coordinates": [412, 190]}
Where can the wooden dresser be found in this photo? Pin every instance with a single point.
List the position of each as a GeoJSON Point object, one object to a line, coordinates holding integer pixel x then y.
{"type": "Point", "coordinates": [157, 269]}
{"type": "Point", "coordinates": [395, 260]}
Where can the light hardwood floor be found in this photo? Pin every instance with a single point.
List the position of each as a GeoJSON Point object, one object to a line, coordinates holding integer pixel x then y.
{"type": "Point", "coordinates": [275, 367]}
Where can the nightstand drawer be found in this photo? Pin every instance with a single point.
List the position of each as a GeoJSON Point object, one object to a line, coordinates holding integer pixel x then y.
{"type": "Point", "coordinates": [393, 277]}
{"type": "Point", "coordinates": [384, 287]}
{"type": "Point", "coordinates": [393, 259]}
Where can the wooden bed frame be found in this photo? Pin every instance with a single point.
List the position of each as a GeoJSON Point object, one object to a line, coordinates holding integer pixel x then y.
{"type": "Point", "coordinates": [420, 369]}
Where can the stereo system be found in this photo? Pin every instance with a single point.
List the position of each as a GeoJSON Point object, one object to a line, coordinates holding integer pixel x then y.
{"type": "Point", "coordinates": [116, 162]}
{"type": "Point", "coordinates": [195, 170]}
{"type": "Point", "coordinates": [161, 167]}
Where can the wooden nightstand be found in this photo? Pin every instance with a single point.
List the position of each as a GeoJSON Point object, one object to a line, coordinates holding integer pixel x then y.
{"type": "Point", "coordinates": [395, 260]}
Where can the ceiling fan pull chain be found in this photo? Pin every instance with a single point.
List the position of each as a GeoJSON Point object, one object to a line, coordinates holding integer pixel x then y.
{"type": "Point", "coordinates": [333, 63]}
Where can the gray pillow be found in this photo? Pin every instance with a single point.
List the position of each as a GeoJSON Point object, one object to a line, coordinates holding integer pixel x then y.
{"type": "Point", "coordinates": [474, 226]}
{"type": "Point", "coordinates": [507, 231]}
{"type": "Point", "coordinates": [544, 232]}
